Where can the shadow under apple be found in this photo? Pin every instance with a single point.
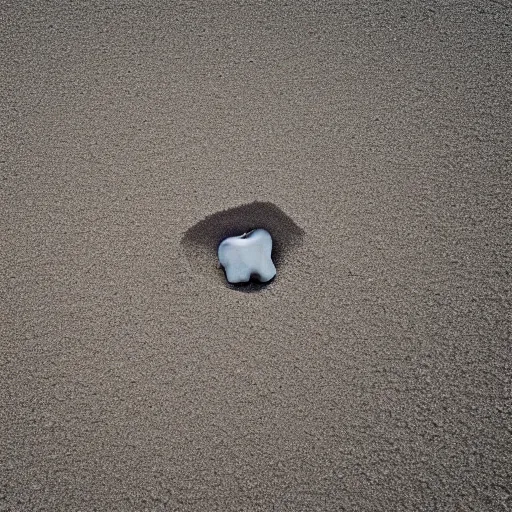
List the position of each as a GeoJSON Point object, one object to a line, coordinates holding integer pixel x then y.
{"type": "Point", "coordinates": [201, 241]}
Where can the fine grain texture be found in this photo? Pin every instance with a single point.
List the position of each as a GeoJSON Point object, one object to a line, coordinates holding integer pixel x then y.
{"type": "Point", "coordinates": [374, 372]}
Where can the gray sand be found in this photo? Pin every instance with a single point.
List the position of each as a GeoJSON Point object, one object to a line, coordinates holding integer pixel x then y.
{"type": "Point", "coordinates": [373, 374]}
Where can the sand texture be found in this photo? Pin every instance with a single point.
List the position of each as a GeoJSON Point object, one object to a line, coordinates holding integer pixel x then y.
{"type": "Point", "coordinates": [373, 139]}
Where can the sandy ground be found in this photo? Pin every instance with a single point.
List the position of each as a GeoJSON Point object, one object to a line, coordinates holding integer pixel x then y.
{"type": "Point", "coordinates": [373, 374]}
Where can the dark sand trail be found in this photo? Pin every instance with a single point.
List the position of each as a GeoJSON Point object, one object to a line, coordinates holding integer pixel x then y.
{"type": "Point", "coordinates": [373, 374]}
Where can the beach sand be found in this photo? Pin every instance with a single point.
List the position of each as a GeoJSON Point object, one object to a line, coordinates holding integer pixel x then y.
{"type": "Point", "coordinates": [373, 374]}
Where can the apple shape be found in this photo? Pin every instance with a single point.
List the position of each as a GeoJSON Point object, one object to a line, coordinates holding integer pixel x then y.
{"type": "Point", "coordinates": [246, 256]}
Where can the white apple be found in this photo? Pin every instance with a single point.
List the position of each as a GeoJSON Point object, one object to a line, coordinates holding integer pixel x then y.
{"type": "Point", "coordinates": [247, 255]}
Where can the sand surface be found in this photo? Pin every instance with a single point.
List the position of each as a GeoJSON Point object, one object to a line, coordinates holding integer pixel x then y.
{"type": "Point", "coordinates": [373, 374]}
